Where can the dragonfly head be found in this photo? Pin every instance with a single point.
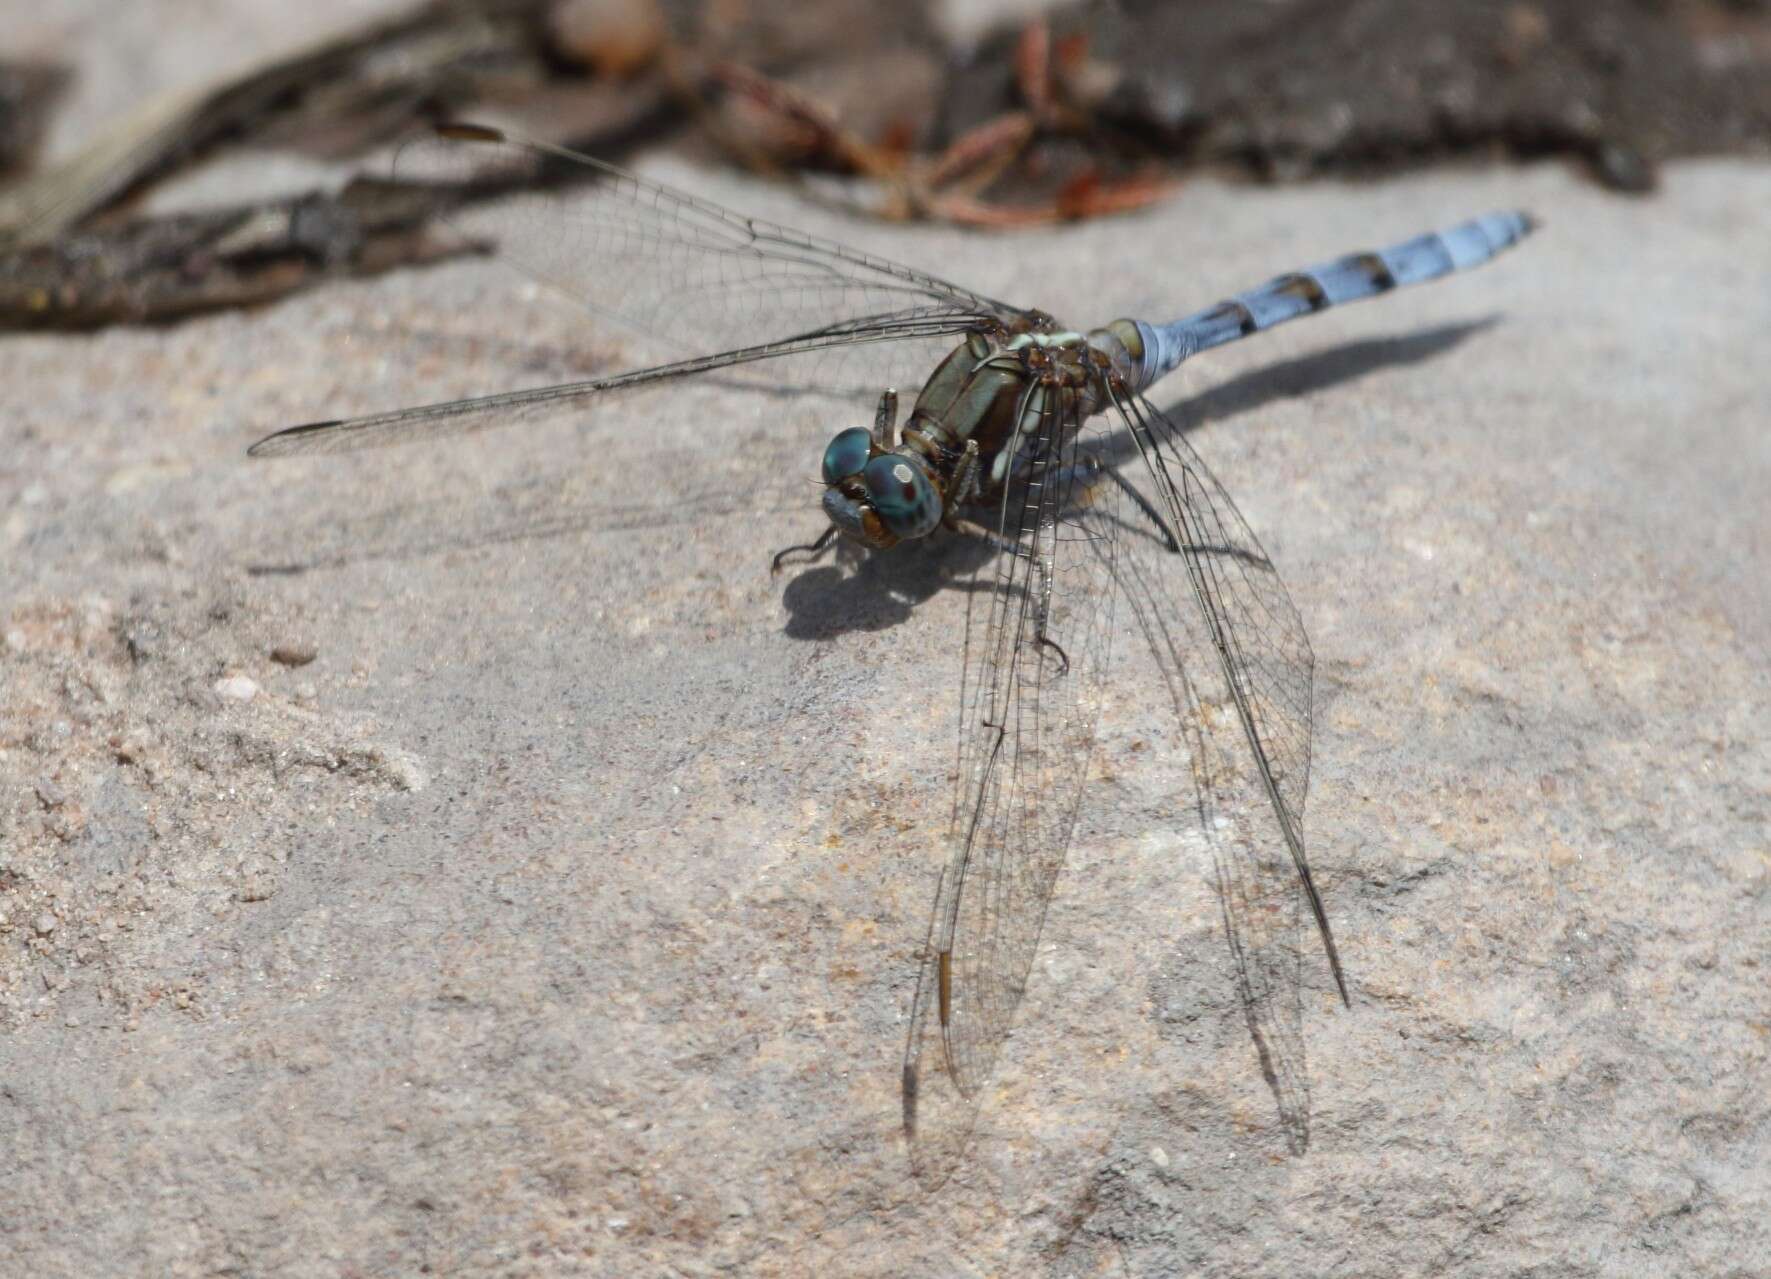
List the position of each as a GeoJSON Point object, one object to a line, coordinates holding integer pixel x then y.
{"type": "Point", "coordinates": [879, 497]}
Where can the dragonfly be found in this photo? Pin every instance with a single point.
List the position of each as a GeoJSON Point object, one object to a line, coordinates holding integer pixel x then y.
{"type": "Point", "coordinates": [1036, 439]}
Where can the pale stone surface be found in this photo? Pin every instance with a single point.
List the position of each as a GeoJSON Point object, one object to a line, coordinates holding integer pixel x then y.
{"type": "Point", "coordinates": [560, 917]}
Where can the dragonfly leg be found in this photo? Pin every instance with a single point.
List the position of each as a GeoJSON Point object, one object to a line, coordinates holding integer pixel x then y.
{"type": "Point", "coordinates": [1150, 512]}
{"type": "Point", "coordinates": [1047, 641]}
{"type": "Point", "coordinates": [971, 528]}
{"type": "Point", "coordinates": [885, 421]}
{"type": "Point", "coordinates": [965, 478]}
{"type": "Point", "coordinates": [1042, 608]}
{"type": "Point", "coordinates": [814, 549]}
{"type": "Point", "coordinates": [1044, 611]}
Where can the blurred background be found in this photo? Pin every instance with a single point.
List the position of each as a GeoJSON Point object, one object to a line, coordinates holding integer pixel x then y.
{"type": "Point", "coordinates": [975, 112]}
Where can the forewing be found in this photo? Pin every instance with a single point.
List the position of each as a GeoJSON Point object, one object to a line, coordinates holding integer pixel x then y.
{"type": "Point", "coordinates": [710, 287]}
{"type": "Point", "coordinates": [1037, 641]}
{"type": "Point", "coordinates": [695, 276]}
{"type": "Point", "coordinates": [1251, 623]}
{"type": "Point", "coordinates": [829, 371]}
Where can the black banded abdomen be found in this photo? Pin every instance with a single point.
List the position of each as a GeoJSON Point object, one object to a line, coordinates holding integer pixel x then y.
{"type": "Point", "coordinates": [1347, 279]}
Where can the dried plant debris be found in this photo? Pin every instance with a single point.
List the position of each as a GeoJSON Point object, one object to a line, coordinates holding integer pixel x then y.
{"type": "Point", "coordinates": [1093, 110]}
{"type": "Point", "coordinates": [374, 79]}
{"type": "Point", "coordinates": [1033, 152]}
{"type": "Point", "coordinates": [27, 92]}
{"type": "Point", "coordinates": [160, 269]}
{"type": "Point", "coordinates": [68, 259]}
{"type": "Point", "coordinates": [1098, 107]}
{"type": "Point", "coordinates": [1291, 88]}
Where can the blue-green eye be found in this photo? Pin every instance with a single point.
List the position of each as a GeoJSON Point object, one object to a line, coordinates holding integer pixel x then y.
{"type": "Point", "coordinates": [901, 495]}
{"type": "Point", "coordinates": [847, 454]}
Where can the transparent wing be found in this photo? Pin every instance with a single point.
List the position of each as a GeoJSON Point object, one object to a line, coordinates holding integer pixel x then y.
{"type": "Point", "coordinates": [712, 287]}
{"type": "Point", "coordinates": [683, 270]}
{"type": "Point", "coordinates": [920, 341]}
{"type": "Point", "coordinates": [1252, 625]}
{"type": "Point", "coordinates": [1037, 643]}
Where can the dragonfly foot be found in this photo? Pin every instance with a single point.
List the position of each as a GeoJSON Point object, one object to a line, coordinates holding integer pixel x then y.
{"type": "Point", "coordinates": [1063, 657]}
{"type": "Point", "coordinates": [814, 549]}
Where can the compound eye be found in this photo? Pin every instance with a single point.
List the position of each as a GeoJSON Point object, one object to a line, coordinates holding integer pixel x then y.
{"type": "Point", "coordinates": [847, 454]}
{"type": "Point", "coordinates": [900, 493]}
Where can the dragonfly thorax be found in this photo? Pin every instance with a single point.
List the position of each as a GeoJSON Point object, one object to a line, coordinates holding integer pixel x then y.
{"type": "Point", "coordinates": [989, 409]}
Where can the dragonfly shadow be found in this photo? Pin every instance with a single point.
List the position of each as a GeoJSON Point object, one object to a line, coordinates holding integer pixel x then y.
{"type": "Point", "coordinates": [877, 590]}
{"type": "Point", "coordinates": [1304, 375]}
{"type": "Point", "coordinates": [1308, 374]}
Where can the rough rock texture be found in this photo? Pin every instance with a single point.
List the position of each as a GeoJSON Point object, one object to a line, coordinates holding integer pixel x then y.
{"type": "Point", "coordinates": [559, 916]}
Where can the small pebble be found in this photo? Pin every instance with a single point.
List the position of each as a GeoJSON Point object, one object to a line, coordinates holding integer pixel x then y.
{"type": "Point", "coordinates": [258, 880]}
{"type": "Point", "coordinates": [612, 37]}
{"type": "Point", "coordinates": [49, 794]}
{"type": "Point", "coordinates": [44, 924]}
{"type": "Point", "coordinates": [1623, 167]}
{"type": "Point", "coordinates": [237, 688]}
{"type": "Point", "coordinates": [403, 770]}
{"type": "Point", "coordinates": [294, 654]}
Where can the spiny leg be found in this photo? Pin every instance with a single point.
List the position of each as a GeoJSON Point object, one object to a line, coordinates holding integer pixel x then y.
{"type": "Point", "coordinates": [965, 477]}
{"type": "Point", "coordinates": [1044, 612]}
{"type": "Point", "coordinates": [885, 421]}
{"type": "Point", "coordinates": [971, 528]}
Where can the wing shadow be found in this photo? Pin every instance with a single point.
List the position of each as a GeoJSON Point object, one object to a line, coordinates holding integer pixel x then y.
{"type": "Point", "coordinates": [521, 511]}
{"type": "Point", "coordinates": [860, 591]}
{"type": "Point", "coordinates": [1259, 896]}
